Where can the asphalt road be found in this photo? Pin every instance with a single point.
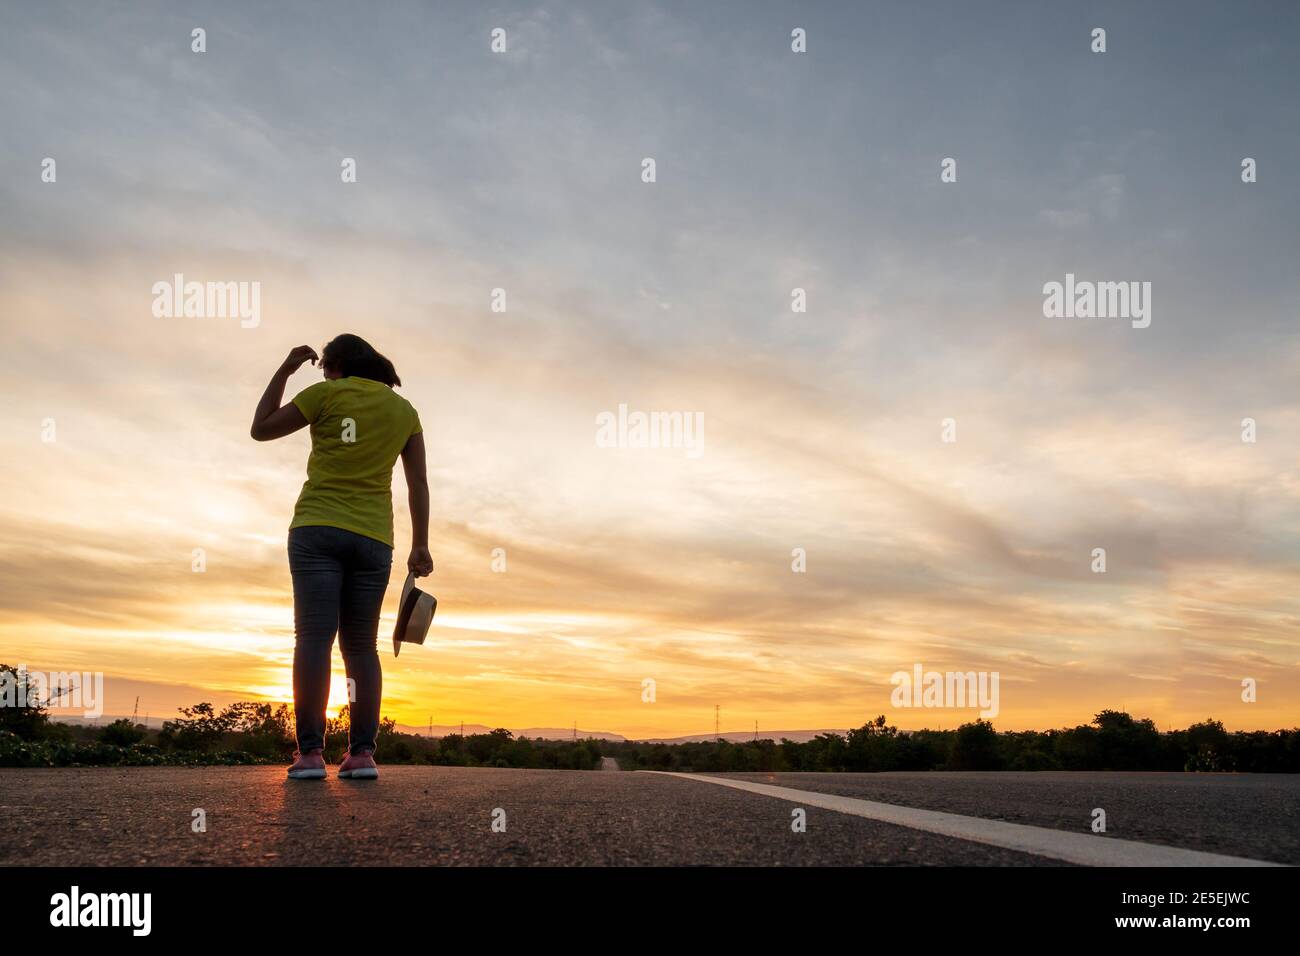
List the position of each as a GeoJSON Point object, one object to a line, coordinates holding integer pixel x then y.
{"type": "Point", "coordinates": [445, 815]}
{"type": "Point", "coordinates": [1250, 815]}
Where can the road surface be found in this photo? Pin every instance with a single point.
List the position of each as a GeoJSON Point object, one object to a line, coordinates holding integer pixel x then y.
{"type": "Point", "coordinates": [446, 815]}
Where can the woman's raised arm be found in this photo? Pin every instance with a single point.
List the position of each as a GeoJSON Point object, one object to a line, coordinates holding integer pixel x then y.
{"type": "Point", "coordinates": [271, 419]}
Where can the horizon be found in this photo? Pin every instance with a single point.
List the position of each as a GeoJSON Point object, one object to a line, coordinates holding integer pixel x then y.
{"type": "Point", "coordinates": [152, 722]}
{"type": "Point", "coordinates": [816, 437]}
{"type": "Point", "coordinates": [478, 727]}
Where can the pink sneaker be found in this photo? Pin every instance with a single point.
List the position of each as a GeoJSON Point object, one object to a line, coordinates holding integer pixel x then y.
{"type": "Point", "coordinates": [359, 767]}
{"type": "Point", "coordinates": [308, 766]}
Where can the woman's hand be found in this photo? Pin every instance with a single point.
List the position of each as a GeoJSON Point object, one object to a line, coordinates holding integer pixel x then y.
{"type": "Point", "coordinates": [270, 418]}
{"type": "Point", "coordinates": [298, 357]}
{"type": "Point", "coordinates": [420, 562]}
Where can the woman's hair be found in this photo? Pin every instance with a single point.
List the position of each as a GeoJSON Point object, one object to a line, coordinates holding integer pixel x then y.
{"type": "Point", "coordinates": [352, 355]}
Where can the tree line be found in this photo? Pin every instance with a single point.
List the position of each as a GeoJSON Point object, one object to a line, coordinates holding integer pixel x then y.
{"type": "Point", "coordinates": [1113, 740]}
{"type": "Point", "coordinates": [250, 732]}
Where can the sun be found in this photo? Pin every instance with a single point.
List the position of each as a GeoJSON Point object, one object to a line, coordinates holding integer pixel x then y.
{"type": "Point", "coordinates": [282, 691]}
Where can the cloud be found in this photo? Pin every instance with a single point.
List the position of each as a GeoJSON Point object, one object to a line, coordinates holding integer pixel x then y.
{"type": "Point", "coordinates": [822, 428]}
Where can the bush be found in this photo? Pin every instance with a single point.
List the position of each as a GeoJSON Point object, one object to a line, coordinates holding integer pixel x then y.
{"type": "Point", "coordinates": [975, 748]}
{"type": "Point", "coordinates": [121, 733]}
{"type": "Point", "coordinates": [22, 713]}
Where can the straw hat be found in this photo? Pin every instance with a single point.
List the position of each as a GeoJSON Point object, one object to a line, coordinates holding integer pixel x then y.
{"type": "Point", "coordinates": [414, 615]}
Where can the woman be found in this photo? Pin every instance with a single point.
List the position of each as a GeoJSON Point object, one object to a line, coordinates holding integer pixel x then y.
{"type": "Point", "coordinates": [341, 537]}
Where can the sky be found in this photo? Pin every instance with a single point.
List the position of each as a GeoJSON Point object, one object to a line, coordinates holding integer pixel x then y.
{"type": "Point", "coordinates": [823, 429]}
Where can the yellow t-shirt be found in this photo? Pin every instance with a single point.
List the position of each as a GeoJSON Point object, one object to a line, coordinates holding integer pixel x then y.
{"type": "Point", "coordinates": [358, 428]}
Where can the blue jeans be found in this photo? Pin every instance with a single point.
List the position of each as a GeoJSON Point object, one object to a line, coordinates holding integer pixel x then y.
{"type": "Point", "coordinates": [339, 579]}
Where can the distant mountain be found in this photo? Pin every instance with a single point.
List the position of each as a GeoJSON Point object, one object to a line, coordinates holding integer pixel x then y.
{"type": "Point", "coordinates": [443, 730]}
{"type": "Point", "coordinates": [740, 736]}
{"type": "Point", "coordinates": [439, 730]}
{"type": "Point", "coordinates": [533, 733]}
{"type": "Point", "coordinates": [561, 733]}
{"type": "Point", "coordinates": [154, 722]}
{"type": "Point", "coordinates": [539, 733]}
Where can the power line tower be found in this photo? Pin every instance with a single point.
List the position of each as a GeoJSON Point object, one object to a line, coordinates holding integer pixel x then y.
{"type": "Point", "coordinates": [575, 731]}
{"type": "Point", "coordinates": [716, 721]}
{"type": "Point", "coordinates": [756, 731]}
{"type": "Point", "coordinates": [135, 712]}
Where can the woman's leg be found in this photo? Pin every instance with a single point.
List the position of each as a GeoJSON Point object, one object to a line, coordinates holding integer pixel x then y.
{"type": "Point", "coordinates": [317, 583]}
{"type": "Point", "coordinates": [365, 579]}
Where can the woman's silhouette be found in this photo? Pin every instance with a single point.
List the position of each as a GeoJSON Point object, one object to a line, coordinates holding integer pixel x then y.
{"type": "Point", "coordinates": [341, 537]}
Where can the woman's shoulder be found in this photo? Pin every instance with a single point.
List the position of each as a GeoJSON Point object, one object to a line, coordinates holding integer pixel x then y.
{"type": "Point", "coordinates": [401, 399]}
{"type": "Point", "coordinates": [406, 406]}
{"type": "Point", "coordinates": [407, 409]}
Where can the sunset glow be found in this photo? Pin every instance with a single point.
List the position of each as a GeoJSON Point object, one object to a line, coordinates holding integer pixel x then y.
{"type": "Point", "coordinates": [822, 430]}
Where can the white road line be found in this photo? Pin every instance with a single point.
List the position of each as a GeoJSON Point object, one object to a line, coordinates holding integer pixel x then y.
{"type": "Point", "coordinates": [1087, 849]}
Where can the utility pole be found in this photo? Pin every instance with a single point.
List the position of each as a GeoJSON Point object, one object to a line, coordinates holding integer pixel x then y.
{"type": "Point", "coordinates": [716, 732]}
{"type": "Point", "coordinates": [756, 731]}
{"type": "Point", "coordinates": [575, 731]}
